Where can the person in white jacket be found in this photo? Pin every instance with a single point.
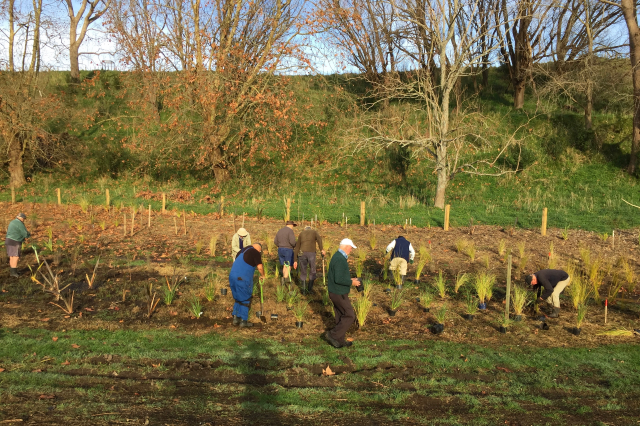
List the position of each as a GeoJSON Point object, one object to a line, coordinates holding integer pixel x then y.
{"type": "Point", "coordinates": [240, 240]}
{"type": "Point", "coordinates": [402, 253]}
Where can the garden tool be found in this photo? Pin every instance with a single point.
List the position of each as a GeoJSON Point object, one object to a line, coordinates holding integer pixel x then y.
{"type": "Point", "coordinates": [262, 317]}
{"type": "Point", "coordinates": [324, 280]}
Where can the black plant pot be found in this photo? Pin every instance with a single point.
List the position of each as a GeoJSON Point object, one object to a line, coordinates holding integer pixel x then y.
{"type": "Point", "coordinates": [418, 299]}
{"type": "Point", "coordinates": [289, 308]}
{"type": "Point", "coordinates": [274, 316]}
{"type": "Point", "coordinates": [517, 317]}
{"type": "Point", "coordinates": [437, 328]}
{"type": "Point", "coordinates": [468, 317]}
{"type": "Point", "coordinates": [425, 309]}
{"type": "Point", "coordinates": [258, 314]}
{"type": "Point", "coordinates": [387, 290]}
{"type": "Point", "coordinates": [392, 313]}
{"type": "Point", "coordinates": [482, 306]}
{"type": "Point", "coordinates": [575, 331]}
{"type": "Point", "coordinates": [544, 326]}
{"type": "Point", "coordinates": [299, 324]}
{"type": "Point", "coordinates": [223, 291]}
{"type": "Point", "coordinates": [375, 304]}
{"type": "Point", "coordinates": [502, 329]}
{"type": "Point", "coordinates": [399, 287]}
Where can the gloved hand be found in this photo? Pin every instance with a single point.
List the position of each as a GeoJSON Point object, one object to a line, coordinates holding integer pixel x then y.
{"type": "Point", "coordinates": [411, 261]}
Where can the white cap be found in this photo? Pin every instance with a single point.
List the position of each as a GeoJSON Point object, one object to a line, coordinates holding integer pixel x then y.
{"type": "Point", "coordinates": [242, 232]}
{"type": "Point", "coordinates": [347, 242]}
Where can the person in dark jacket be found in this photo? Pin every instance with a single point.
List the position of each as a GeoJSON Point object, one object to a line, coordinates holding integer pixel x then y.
{"type": "Point", "coordinates": [16, 234]}
{"type": "Point", "coordinates": [307, 244]}
{"type": "Point", "coordinates": [339, 282]}
{"type": "Point", "coordinates": [549, 283]}
{"type": "Point", "coordinates": [285, 240]}
{"type": "Point", "coordinates": [241, 282]}
{"type": "Point", "coordinates": [402, 252]}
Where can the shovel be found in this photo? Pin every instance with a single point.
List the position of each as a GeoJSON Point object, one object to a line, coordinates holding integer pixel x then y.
{"type": "Point", "coordinates": [262, 317]}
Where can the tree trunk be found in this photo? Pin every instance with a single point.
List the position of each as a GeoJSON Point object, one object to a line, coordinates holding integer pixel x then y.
{"type": "Point", "coordinates": [629, 11]}
{"type": "Point", "coordinates": [588, 107]}
{"type": "Point", "coordinates": [518, 95]}
{"type": "Point", "coordinates": [73, 61]}
{"type": "Point", "coordinates": [12, 33]}
{"type": "Point", "coordinates": [35, 49]}
{"type": "Point", "coordinates": [16, 170]}
{"type": "Point", "coordinates": [443, 176]}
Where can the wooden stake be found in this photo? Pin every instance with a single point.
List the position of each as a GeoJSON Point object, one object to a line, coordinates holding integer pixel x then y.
{"type": "Point", "coordinates": [133, 218]}
{"type": "Point", "coordinates": [149, 222]}
{"type": "Point", "coordinates": [543, 230]}
{"type": "Point", "coordinates": [362, 212]}
{"type": "Point", "coordinates": [243, 219]}
{"type": "Point", "coordinates": [59, 198]}
{"type": "Point", "coordinates": [13, 195]}
{"type": "Point", "coordinates": [184, 222]}
{"type": "Point", "coordinates": [288, 209]}
{"type": "Point", "coordinates": [164, 203]}
{"type": "Point", "coordinates": [125, 224]}
{"type": "Point", "coordinates": [447, 211]}
{"type": "Point", "coordinates": [508, 301]}
{"type": "Point", "coordinates": [108, 198]}
{"type": "Point", "coordinates": [221, 206]}
{"type": "Point", "coordinates": [613, 239]}
{"type": "Point", "coordinates": [606, 306]}
{"type": "Point", "coordinates": [175, 224]}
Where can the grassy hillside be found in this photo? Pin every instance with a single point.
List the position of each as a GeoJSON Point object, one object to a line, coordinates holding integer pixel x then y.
{"type": "Point", "coordinates": [579, 175]}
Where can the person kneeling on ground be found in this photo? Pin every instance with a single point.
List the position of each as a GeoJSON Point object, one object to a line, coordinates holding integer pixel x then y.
{"type": "Point", "coordinates": [241, 282]}
{"type": "Point", "coordinates": [240, 240]}
{"type": "Point", "coordinates": [339, 282]}
{"type": "Point", "coordinates": [16, 234]}
{"type": "Point", "coordinates": [401, 252]}
{"type": "Point", "coordinates": [285, 240]}
{"type": "Point", "coordinates": [307, 244]}
{"type": "Point", "coordinates": [553, 281]}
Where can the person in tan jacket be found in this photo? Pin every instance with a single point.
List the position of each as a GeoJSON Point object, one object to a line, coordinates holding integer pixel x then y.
{"type": "Point", "coordinates": [307, 244]}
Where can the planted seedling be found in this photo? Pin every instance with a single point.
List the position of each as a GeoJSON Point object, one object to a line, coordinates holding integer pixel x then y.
{"type": "Point", "coordinates": [92, 280]}
{"type": "Point", "coordinates": [504, 323]}
{"type": "Point", "coordinates": [441, 316]}
{"type": "Point", "coordinates": [470, 251]}
{"type": "Point", "coordinates": [172, 287]}
{"type": "Point", "coordinates": [299, 311]}
{"type": "Point", "coordinates": [213, 242]}
{"type": "Point", "coordinates": [195, 307]}
{"type": "Point", "coordinates": [397, 278]}
{"type": "Point", "coordinates": [484, 288]}
{"type": "Point", "coordinates": [373, 240]}
{"type": "Point", "coordinates": [68, 303]}
{"type": "Point", "coordinates": [210, 289]}
{"type": "Point", "coordinates": [461, 246]}
{"type": "Point", "coordinates": [423, 260]}
{"type": "Point", "coordinates": [471, 306]}
{"type": "Point", "coordinates": [152, 300]}
{"type": "Point", "coordinates": [580, 317]}
{"type": "Point", "coordinates": [519, 301]}
{"type": "Point", "coordinates": [397, 298]}
{"type": "Point", "coordinates": [461, 279]}
{"type": "Point", "coordinates": [425, 299]}
{"type": "Point", "coordinates": [440, 285]}
{"type": "Point", "coordinates": [362, 306]}
{"type": "Point", "coordinates": [292, 298]}
{"type": "Point", "coordinates": [502, 247]}
{"type": "Point", "coordinates": [281, 293]}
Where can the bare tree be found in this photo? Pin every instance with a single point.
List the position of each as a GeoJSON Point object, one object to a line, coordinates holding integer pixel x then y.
{"type": "Point", "coordinates": [443, 39]}
{"type": "Point", "coordinates": [87, 13]}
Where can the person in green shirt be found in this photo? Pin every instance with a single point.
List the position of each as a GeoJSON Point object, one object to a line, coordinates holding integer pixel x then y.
{"type": "Point", "coordinates": [339, 282]}
{"type": "Point", "coordinates": [16, 234]}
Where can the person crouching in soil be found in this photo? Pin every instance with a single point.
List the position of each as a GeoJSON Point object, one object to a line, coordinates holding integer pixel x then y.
{"type": "Point", "coordinates": [240, 240]}
{"type": "Point", "coordinates": [241, 282]}
{"type": "Point", "coordinates": [16, 234]}
{"type": "Point", "coordinates": [554, 282]}
{"type": "Point", "coordinates": [401, 252]}
{"type": "Point", "coordinates": [339, 282]}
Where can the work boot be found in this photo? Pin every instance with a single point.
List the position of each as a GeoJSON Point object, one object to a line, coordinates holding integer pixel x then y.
{"type": "Point", "coordinates": [14, 272]}
{"type": "Point", "coordinates": [555, 313]}
{"type": "Point", "coordinates": [403, 277]}
{"type": "Point", "coordinates": [303, 287]}
{"type": "Point", "coordinates": [281, 280]}
{"type": "Point", "coordinates": [310, 286]}
{"type": "Point", "coordinates": [236, 320]}
{"type": "Point", "coordinates": [331, 340]}
{"type": "Point", "coordinates": [246, 323]}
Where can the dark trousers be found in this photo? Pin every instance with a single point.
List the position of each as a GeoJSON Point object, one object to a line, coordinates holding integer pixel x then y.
{"type": "Point", "coordinates": [345, 315]}
{"type": "Point", "coordinates": [307, 259]}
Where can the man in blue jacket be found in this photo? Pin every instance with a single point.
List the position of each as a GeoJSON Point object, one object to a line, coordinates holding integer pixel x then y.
{"type": "Point", "coordinates": [241, 282]}
{"type": "Point", "coordinates": [16, 234]}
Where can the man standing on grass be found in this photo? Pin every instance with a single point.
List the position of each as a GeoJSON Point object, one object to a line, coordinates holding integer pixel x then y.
{"type": "Point", "coordinates": [339, 282]}
{"type": "Point", "coordinates": [241, 282]}
{"type": "Point", "coordinates": [307, 243]}
{"type": "Point", "coordinates": [285, 241]}
{"type": "Point", "coordinates": [553, 281]}
{"type": "Point", "coordinates": [401, 252]}
{"type": "Point", "coordinates": [240, 240]}
{"type": "Point", "coordinates": [16, 234]}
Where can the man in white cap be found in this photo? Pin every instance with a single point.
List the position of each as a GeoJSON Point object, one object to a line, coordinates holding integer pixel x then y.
{"type": "Point", "coordinates": [240, 240]}
{"type": "Point", "coordinates": [16, 234]}
{"type": "Point", "coordinates": [339, 282]}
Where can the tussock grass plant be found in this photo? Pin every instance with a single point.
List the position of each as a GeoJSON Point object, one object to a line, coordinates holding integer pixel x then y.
{"type": "Point", "coordinates": [470, 304]}
{"type": "Point", "coordinates": [195, 307]}
{"type": "Point", "coordinates": [585, 255]}
{"type": "Point", "coordinates": [92, 280]}
{"type": "Point", "coordinates": [441, 314]}
{"type": "Point", "coordinates": [271, 246]}
{"type": "Point", "coordinates": [266, 269]}
{"type": "Point", "coordinates": [397, 278]}
{"type": "Point", "coordinates": [470, 251]}
{"type": "Point", "coordinates": [615, 287]}
{"type": "Point", "coordinates": [461, 279]}
{"type": "Point", "coordinates": [198, 247]}
{"type": "Point", "coordinates": [461, 246]}
{"type": "Point", "coordinates": [521, 248]}
{"type": "Point", "coordinates": [426, 299]}
{"type": "Point", "coordinates": [628, 272]}
{"type": "Point", "coordinates": [397, 299]}
{"type": "Point", "coordinates": [440, 284]}
{"type": "Point", "coordinates": [483, 284]}
{"type": "Point", "coordinates": [595, 278]}
{"type": "Point", "coordinates": [362, 306]}
{"type": "Point", "coordinates": [581, 314]}
{"type": "Point", "coordinates": [502, 247]}
{"type": "Point", "coordinates": [210, 288]}
{"type": "Point", "coordinates": [422, 262]}
{"type": "Point", "coordinates": [504, 321]}
{"type": "Point", "coordinates": [171, 288]}
{"type": "Point", "coordinates": [579, 291]}
{"type": "Point", "coordinates": [552, 262]}
{"type": "Point", "coordinates": [520, 299]}
{"type": "Point", "coordinates": [522, 264]}
{"type": "Point", "coordinates": [425, 254]}
{"type": "Point", "coordinates": [361, 256]}
{"type": "Point", "coordinates": [373, 240]}
{"type": "Point", "coordinates": [292, 298]}
{"type": "Point", "coordinates": [83, 202]}
{"type": "Point", "coordinates": [565, 233]}
{"type": "Point", "coordinates": [213, 242]}
{"type": "Point", "coordinates": [300, 310]}
{"type": "Point", "coordinates": [281, 293]}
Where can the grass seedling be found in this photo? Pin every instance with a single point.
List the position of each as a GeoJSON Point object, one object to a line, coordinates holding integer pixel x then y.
{"type": "Point", "coordinates": [461, 279]}
{"type": "Point", "coordinates": [422, 262]}
{"type": "Point", "coordinates": [578, 290]}
{"type": "Point", "coordinates": [360, 259]}
{"type": "Point", "coordinates": [615, 287]}
{"type": "Point", "coordinates": [470, 250]}
{"type": "Point", "coordinates": [521, 247]}
{"type": "Point", "coordinates": [520, 299]}
{"type": "Point", "coordinates": [595, 278]}
{"type": "Point", "coordinates": [426, 299]}
{"type": "Point", "coordinates": [152, 300]}
{"type": "Point", "coordinates": [172, 287]}
{"type": "Point", "coordinates": [362, 305]}
{"type": "Point", "coordinates": [281, 293]}
{"type": "Point", "coordinates": [619, 332]}
{"type": "Point", "coordinates": [441, 314]}
{"type": "Point", "coordinates": [68, 303]}
{"type": "Point", "coordinates": [629, 274]}
{"type": "Point", "coordinates": [440, 285]}
{"type": "Point", "coordinates": [522, 264]}
{"type": "Point", "coordinates": [565, 233]}
{"type": "Point", "coordinates": [461, 246]}
{"type": "Point", "coordinates": [585, 255]}
{"type": "Point", "coordinates": [271, 247]}
{"type": "Point", "coordinates": [213, 242]}
{"type": "Point", "coordinates": [292, 298]}
{"type": "Point", "coordinates": [484, 286]}
{"type": "Point", "coordinates": [92, 280]}
{"type": "Point", "coordinates": [397, 298]}
{"type": "Point", "coordinates": [502, 247]}
{"type": "Point", "coordinates": [504, 321]}
{"type": "Point", "coordinates": [299, 310]}
{"type": "Point", "coordinates": [385, 269]}
{"type": "Point", "coordinates": [397, 278]}
{"type": "Point", "coordinates": [373, 242]}
{"type": "Point", "coordinates": [582, 313]}
{"type": "Point", "coordinates": [604, 237]}
{"type": "Point", "coordinates": [84, 203]}
{"type": "Point", "coordinates": [199, 245]}
{"type": "Point", "coordinates": [195, 308]}
{"type": "Point", "coordinates": [470, 304]}
{"type": "Point", "coordinates": [265, 267]}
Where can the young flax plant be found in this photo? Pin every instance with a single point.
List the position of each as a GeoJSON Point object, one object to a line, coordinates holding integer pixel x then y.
{"type": "Point", "coordinates": [423, 260]}
{"type": "Point", "coordinates": [426, 299]}
{"type": "Point", "coordinates": [461, 279]}
{"type": "Point", "coordinates": [195, 307]}
{"type": "Point", "coordinates": [440, 285]}
{"type": "Point", "coordinates": [362, 306]}
{"type": "Point", "coordinates": [397, 298]}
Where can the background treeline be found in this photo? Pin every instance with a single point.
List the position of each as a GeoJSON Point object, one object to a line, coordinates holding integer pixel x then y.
{"type": "Point", "coordinates": [441, 96]}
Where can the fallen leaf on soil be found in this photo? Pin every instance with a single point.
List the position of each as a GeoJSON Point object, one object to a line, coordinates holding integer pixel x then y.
{"type": "Point", "coordinates": [327, 372]}
{"type": "Point", "coordinates": [506, 370]}
{"type": "Point", "coordinates": [1, 370]}
{"type": "Point", "coordinates": [114, 374]}
{"type": "Point", "coordinates": [74, 346]}
{"type": "Point", "coordinates": [45, 396]}
{"type": "Point", "coordinates": [67, 316]}
{"type": "Point", "coordinates": [44, 319]}
{"type": "Point", "coordinates": [349, 339]}
{"type": "Point", "coordinates": [172, 326]}
{"type": "Point", "coordinates": [155, 365]}
{"type": "Point", "coordinates": [88, 309]}
{"type": "Point", "coordinates": [173, 313]}
{"type": "Point", "coordinates": [66, 363]}
{"type": "Point", "coordinates": [37, 371]}
{"type": "Point", "coordinates": [216, 325]}
{"type": "Point", "coordinates": [54, 338]}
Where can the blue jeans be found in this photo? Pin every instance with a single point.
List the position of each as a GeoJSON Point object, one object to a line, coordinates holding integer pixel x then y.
{"type": "Point", "coordinates": [285, 255]}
